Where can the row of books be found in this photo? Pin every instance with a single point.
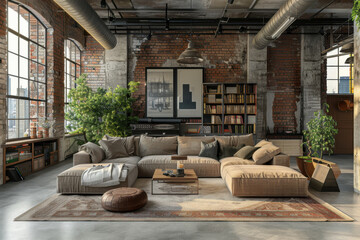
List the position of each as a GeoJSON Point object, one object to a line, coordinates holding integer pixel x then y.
{"type": "Point", "coordinates": [251, 109]}
{"type": "Point", "coordinates": [235, 109]}
{"type": "Point", "coordinates": [212, 89]}
{"type": "Point", "coordinates": [235, 89]}
{"type": "Point", "coordinates": [212, 109]}
{"type": "Point", "coordinates": [212, 99]}
{"type": "Point", "coordinates": [237, 129]}
{"type": "Point", "coordinates": [234, 98]}
{"type": "Point", "coordinates": [215, 119]}
{"type": "Point", "coordinates": [233, 119]}
{"type": "Point", "coordinates": [251, 128]}
{"type": "Point", "coordinates": [250, 98]}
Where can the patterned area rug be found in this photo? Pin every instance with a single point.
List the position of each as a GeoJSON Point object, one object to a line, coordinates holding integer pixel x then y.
{"type": "Point", "coordinates": [214, 203]}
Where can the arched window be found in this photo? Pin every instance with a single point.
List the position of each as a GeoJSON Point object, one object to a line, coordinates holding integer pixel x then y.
{"type": "Point", "coordinates": [72, 69]}
{"type": "Point", "coordinates": [27, 72]}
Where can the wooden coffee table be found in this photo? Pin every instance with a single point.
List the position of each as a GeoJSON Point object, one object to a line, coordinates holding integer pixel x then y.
{"type": "Point", "coordinates": [166, 185]}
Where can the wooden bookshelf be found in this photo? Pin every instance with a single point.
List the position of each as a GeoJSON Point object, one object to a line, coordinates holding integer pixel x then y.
{"type": "Point", "coordinates": [30, 155]}
{"type": "Point", "coordinates": [229, 108]}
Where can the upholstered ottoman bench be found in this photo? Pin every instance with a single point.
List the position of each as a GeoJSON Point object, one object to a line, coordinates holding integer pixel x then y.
{"type": "Point", "coordinates": [264, 181]}
{"type": "Point", "coordinates": [69, 181]}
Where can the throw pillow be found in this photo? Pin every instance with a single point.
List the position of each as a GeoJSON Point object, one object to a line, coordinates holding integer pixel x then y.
{"type": "Point", "coordinates": [114, 148]}
{"type": "Point", "coordinates": [95, 152]}
{"type": "Point", "coordinates": [191, 146]}
{"type": "Point", "coordinates": [246, 152]}
{"type": "Point", "coordinates": [229, 151]}
{"type": "Point", "coordinates": [209, 150]}
{"type": "Point", "coordinates": [262, 143]}
{"type": "Point", "coordinates": [265, 153]}
{"type": "Point", "coordinates": [129, 143]}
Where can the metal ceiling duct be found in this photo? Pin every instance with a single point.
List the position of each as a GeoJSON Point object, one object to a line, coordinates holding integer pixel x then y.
{"type": "Point", "coordinates": [348, 48]}
{"type": "Point", "coordinates": [190, 55]}
{"type": "Point", "coordinates": [281, 20]}
{"type": "Point", "coordinates": [84, 14]}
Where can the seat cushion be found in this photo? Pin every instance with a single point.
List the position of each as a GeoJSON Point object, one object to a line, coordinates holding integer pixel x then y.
{"type": "Point", "coordinates": [191, 146]}
{"type": "Point", "coordinates": [203, 167]}
{"type": "Point", "coordinates": [69, 181]}
{"type": "Point", "coordinates": [129, 160]}
{"type": "Point", "coordinates": [265, 181]}
{"type": "Point", "coordinates": [234, 161]}
{"type": "Point", "coordinates": [157, 145]}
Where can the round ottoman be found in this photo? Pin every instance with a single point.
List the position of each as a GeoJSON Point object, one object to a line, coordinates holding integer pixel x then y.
{"type": "Point", "coordinates": [123, 199]}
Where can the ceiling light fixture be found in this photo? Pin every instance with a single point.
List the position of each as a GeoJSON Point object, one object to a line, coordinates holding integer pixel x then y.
{"type": "Point", "coordinates": [349, 60]}
{"type": "Point", "coordinates": [347, 48]}
{"type": "Point", "coordinates": [103, 4]}
{"type": "Point", "coordinates": [190, 55]}
{"type": "Point", "coordinates": [283, 27]}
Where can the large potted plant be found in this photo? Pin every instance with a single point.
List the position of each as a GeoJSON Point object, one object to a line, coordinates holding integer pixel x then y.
{"type": "Point", "coordinates": [319, 138]}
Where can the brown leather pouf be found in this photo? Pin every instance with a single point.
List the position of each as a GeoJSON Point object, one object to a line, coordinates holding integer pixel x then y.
{"type": "Point", "coordinates": [123, 199]}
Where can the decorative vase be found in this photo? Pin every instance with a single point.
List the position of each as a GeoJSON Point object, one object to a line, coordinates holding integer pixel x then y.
{"type": "Point", "coordinates": [40, 134]}
{"type": "Point", "coordinates": [305, 166]}
{"type": "Point", "coordinates": [33, 132]}
{"type": "Point", "coordinates": [46, 132]}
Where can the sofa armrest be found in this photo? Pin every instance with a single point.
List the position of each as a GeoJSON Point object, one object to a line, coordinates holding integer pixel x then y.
{"type": "Point", "coordinates": [281, 159]}
{"type": "Point", "coordinates": [81, 157]}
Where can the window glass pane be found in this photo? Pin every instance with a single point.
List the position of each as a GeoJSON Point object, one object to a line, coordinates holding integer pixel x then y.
{"type": "Point", "coordinates": [23, 109]}
{"type": "Point", "coordinates": [13, 43]}
{"type": "Point", "coordinates": [73, 69]}
{"type": "Point", "coordinates": [344, 72]}
{"type": "Point", "coordinates": [73, 51]}
{"type": "Point", "coordinates": [33, 90]}
{"type": "Point", "coordinates": [72, 82]}
{"type": "Point", "coordinates": [342, 60]}
{"type": "Point", "coordinates": [24, 67]}
{"type": "Point", "coordinates": [41, 56]}
{"type": "Point", "coordinates": [12, 85]}
{"type": "Point", "coordinates": [41, 73]}
{"type": "Point", "coordinates": [12, 106]}
{"type": "Point", "coordinates": [12, 133]}
{"type": "Point", "coordinates": [333, 52]}
{"type": "Point", "coordinates": [33, 51]}
{"type": "Point", "coordinates": [332, 86]}
{"type": "Point", "coordinates": [333, 61]}
{"type": "Point", "coordinates": [13, 16]}
{"type": "Point", "coordinates": [33, 70]}
{"type": "Point", "coordinates": [42, 35]}
{"type": "Point", "coordinates": [68, 68]}
{"type": "Point", "coordinates": [13, 64]}
{"type": "Point", "coordinates": [23, 126]}
{"type": "Point", "coordinates": [24, 22]}
{"type": "Point", "coordinates": [68, 81]}
{"type": "Point", "coordinates": [33, 109]}
{"type": "Point", "coordinates": [42, 91]}
{"type": "Point", "coordinates": [33, 28]}
{"type": "Point", "coordinates": [78, 71]}
{"type": "Point", "coordinates": [24, 48]}
{"type": "Point", "coordinates": [344, 85]}
{"type": "Point", "coordinates": [331, 73]}
{"type": "Point", "coordinates": [67, 94]}
{"type": "Point", "coordinates": [41, 109]}
{"type": "Point", "coordinates": [78, 56]}
{"type": "Point", "coordinates": [24, 88]}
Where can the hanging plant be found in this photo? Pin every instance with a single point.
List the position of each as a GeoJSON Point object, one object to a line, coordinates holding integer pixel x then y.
{"type": "Point", "coordinates": [355, 13]}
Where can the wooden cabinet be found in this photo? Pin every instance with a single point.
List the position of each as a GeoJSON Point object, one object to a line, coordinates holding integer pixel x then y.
{"type": "Point", "coordinates": [291, 147]}
{"type": "Point", "coordinates": [30, 155]}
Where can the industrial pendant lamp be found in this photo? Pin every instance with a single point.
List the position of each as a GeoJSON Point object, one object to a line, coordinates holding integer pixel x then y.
{"type": "Point", "coordinates": [347, 48]}
{"type": "Point", "coordinates": [190, 55]}
{"type": "Point", "coordinates": [349, 60]}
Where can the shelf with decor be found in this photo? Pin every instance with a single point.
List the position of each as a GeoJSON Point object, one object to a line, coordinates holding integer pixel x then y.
{"type": "Point", "coordinates": [23, 157]}
{"type": "Point", "coordinates": [231, 109]}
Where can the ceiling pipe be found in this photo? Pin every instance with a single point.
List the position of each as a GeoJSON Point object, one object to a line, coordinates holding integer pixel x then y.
{"type": "Point", "coordinates": [83, 13]}
{"type": "Point", "coordinates": [281, 20]}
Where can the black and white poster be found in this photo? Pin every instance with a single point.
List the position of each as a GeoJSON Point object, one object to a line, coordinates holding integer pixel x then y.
{"type": "Point", "coordinates": [189, 92]}
{"type": "Point", "coordinates": [160, 93]}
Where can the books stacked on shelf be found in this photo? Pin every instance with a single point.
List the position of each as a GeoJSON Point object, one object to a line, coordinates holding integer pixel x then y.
{"type": "Point", "coordinates": [216, 129]}
{"type": "Point", "coordinates": [234, 129]}
{"type": "Point", "coordinates": [250, 98]}
{"type": "Point", "coordinates": [231, 90]}
{"type": "Point", "coordinates": [251, 109]}
{"type": "Point", "coordinates": [251, 88]}
{"type": "Point", "coordinates": [233, 119]}
{"type": "Point", "coordinates": [213, 99]}
{"type": "Point", "coordinates": [193, 130]}
{"type": "Point", "coordinates": [251, 128]}
{"type": "Point", "coordinates": [234, 98]}
{"type": "Point", "coordinates": [215, 119]}
{"type": "Point", "coordinates": [235, 109]}
{"type": "Point", "coordinates": [212, 109]}
{"type": "Point", "coordinates": [214, 89]}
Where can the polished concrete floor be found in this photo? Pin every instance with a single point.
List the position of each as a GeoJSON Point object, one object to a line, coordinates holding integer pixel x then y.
{"type": "Point", "coordinates": [16, 198]}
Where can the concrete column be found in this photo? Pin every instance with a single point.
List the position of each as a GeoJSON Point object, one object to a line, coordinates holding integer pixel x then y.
{"type": "Point", "coordinates": [311, 47]}
{"type": "Point", "coordinates": [257, 73]}
{"type": "Point", "coordinates": [356, 109]}
{"type": "Point", "coordinates": [116, 64]}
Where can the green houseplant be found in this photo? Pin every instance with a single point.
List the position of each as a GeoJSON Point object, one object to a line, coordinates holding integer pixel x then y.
{"type": "Point", "coordinates": [100, 112]}
{"type": "Point", "coordinates": [355, 13]}
{"type": "Point", "coordinates": [318, 139]}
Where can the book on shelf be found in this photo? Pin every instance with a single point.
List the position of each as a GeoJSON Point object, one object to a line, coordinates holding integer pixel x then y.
{"type": "Point", "coordinates": [231, 89]}
{"type": "Point", "coordinates": [251, 119]}
{"type": "Point", "coordinates": [215, 119]}
{"type": "Point", "coordinates": [251, 109]}
{"type": "Point", "coordinates": [250, 98]}
{"type": "Point", "coordinates": [216, 129]}
{"type": "Point", "coordinates": [251, 128]}
{"type": "Point", "coordinates": [235, 109]}
{"type": "Point", "coordinates": [233, 119]}
{"type": "Point", "coordinates": [212, 109]}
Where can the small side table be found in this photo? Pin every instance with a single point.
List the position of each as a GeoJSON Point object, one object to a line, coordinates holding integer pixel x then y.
{"type": "Point", "coordinates": [166, 185]}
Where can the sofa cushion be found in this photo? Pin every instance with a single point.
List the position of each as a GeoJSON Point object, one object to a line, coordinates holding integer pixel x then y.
{"type": "Point", "coordinates": [157, 145]}
{"type": "Point", "coordinates": [209, 150]}
{"type": "Point", "coordinates": [262, 143]}
{"type": "Point", "coordinates": [245, 152]}
{"type": "Point", "coordinates": [234, 141]}
{"type": "Point", "coordinates": [229, 151]}
{"type": "Point", "coordinates": [191, 146]}
{"type": "Point", "coordinates": [129, 143]}
{"type": "Point", "coordinates": [94, 150]}
{"type": "Point", "coordinates": [265, 153]}
{"type": "Point", "coordinates": [234, 161]}
{"type": "Point", "coordinates": [114, 147]}
{"type": "Point", "coordinates": [203, 167]}
{"type": "Point", "coordinates": [128, 160]}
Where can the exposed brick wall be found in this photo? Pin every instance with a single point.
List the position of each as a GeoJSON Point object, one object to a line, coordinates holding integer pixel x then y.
{"type": "Point", "coordinates": [93, 63]}
{"type": "Point", "coordinates": [284, 78]}
{"type": "Point", "coordinates": [225, 58]}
